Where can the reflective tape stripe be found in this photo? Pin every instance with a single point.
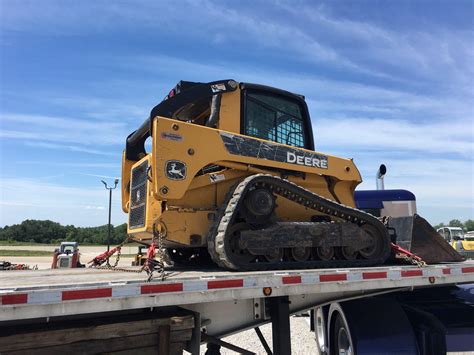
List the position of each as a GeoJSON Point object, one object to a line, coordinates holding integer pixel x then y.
{"type": "Point", "coordinates": [333, 277]}
{"type": "Point", "coordinates": [146, 289]}
{"type": "Point", "coordinates": [85, 294]}
{"type": "Point", "coordinates": [15, 299]}
{"type": "Point", "coordinates": [291, 280]}
{"type": "Point", "coordinates": [374, 275]}
{"type": "Point", "coordinates": [225, 284]}
{"type": "Point", "coordinates": [411, 273]}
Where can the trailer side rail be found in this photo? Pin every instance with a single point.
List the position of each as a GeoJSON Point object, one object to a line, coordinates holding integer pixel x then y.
{"type": "Point", "coordinates": [26, 302]}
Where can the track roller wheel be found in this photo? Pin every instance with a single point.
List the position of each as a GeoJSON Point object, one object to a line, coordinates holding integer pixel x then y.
{"type": "Point", "coordinates": [376, 244]}
{"type": "Point", "coordinates": [275, 255]}
{"type": "Point", "coordinates": [242, 256]}
{"type": "Point", "coordinates": [346, 253]}
{"type": "Point", "coordinates": [324, 253]}
{"type": "Point", "coordinates": [259, 205]}
{"type": "Point", "coordinates": [300, 253]}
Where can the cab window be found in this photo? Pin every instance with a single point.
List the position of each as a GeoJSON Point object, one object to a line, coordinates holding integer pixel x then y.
{"type": "Point", "coordinates": [274, 118]}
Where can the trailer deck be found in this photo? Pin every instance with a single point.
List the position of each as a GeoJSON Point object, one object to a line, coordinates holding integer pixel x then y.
{"type": "Point", "coordinates": [219, 302]}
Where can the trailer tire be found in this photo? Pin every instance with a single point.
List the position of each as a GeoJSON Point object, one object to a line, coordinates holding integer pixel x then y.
{"type": "Point", "coordinates": [340, 336]}
{"type": "Point", "coordinates": [320, 329]}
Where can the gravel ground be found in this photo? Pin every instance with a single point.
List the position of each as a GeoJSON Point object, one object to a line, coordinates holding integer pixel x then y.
{"type": "Point", "coordinates": [302, 340]}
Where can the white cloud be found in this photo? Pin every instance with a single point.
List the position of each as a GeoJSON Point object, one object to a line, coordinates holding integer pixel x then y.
{"type": "Point", "coordinates": [434, 53]}
{"type": "Point", "coordinates": [63, 147]}
{"type": "Point", "coordinates": [102, 176]}
{"type": "Point", "coordinates": [106, 110]}
{"type": "Point", "coordinates": [443, 187]}
{"type": "Point", "coordinates": [204, 17]}
{"type": "Point", "coordinates": [95, 208]}
{"type": "Point", "coordinates": [35, 199]}
{"type": "Point", "coordinates": [64, 130]}
{"type": "Point", "coordinates": [75, 164]}
{"type": "Point", "coordinates": [388, 135]}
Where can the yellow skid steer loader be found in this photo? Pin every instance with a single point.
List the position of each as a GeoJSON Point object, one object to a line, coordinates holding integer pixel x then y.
{"type": "Point", "coordinates": [233, 175]}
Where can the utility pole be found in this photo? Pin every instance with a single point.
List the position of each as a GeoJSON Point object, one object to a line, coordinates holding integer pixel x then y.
{"type": "Point", "coordinates": [110, 212]}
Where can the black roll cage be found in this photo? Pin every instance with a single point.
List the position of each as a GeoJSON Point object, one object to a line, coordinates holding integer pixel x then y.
{"type": "Point", "coordinates": [187, 92]}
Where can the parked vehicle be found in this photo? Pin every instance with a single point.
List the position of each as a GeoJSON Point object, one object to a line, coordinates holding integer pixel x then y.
{"type": "Point", "coordinates": [66, 256]}
{"type": "Point", "coordinates": [462, 243]}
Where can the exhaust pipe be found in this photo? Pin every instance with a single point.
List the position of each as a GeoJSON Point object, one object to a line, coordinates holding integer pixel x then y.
{"type": "Point", "coordinates": [379, 177]}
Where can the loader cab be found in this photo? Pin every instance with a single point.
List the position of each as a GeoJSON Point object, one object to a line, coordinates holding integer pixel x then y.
{"type": "Point", "coordinates": [275, 115]}
{"type": "Point", "coordinates": [68, 247]}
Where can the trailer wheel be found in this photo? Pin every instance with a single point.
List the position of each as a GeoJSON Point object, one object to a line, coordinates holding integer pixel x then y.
{"type": "Point", "coordinates": [320, 328]}
{"type": "Point", "coordinates": [341, 335]}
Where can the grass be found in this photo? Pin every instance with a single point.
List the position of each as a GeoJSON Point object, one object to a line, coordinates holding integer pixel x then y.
{"type": "Point", "coordinates": [14, 252]}
{"type": "Point", "coordinates": [13, 242]}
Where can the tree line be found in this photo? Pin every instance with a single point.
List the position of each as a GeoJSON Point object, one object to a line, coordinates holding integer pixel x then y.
{"type": "Point", "coordinates": [34, 231]}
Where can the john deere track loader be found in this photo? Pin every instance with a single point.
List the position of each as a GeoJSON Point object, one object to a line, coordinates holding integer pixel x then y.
{"type": "Point", "coordinates": [232, 174]}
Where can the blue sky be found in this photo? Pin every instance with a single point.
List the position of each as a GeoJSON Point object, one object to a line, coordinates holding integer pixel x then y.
{"type": "Point", "coordinates": [386, 82]}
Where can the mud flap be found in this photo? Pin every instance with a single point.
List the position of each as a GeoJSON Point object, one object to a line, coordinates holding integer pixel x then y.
{"type": "Point", "coordinates": [416, 235]}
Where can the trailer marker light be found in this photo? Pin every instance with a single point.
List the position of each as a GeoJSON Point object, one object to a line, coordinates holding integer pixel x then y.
{"type": "Point", "coordinates": [267, 291]}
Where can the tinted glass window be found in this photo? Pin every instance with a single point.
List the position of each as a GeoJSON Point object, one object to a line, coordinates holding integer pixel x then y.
{"type": "Point", "coordinates": [274, 118]}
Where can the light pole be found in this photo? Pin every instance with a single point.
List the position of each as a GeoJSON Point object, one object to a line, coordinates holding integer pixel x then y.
{"type": "Point", "coordinates": [110, 210]}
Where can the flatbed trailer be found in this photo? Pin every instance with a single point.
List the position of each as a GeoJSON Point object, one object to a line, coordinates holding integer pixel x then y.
{"type": "Point", "coordinates": [80, 310]}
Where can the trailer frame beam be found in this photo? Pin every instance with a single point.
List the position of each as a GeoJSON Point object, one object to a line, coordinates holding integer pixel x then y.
{"type": "Point", "coordinates": [279, 309]}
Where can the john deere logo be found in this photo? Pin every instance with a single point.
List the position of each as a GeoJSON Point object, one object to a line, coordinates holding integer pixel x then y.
{"type": "Point", "coordinates": [175, 170]}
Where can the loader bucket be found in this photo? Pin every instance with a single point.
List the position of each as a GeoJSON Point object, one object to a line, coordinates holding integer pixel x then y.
{"type": "Point", "coordinates": [415, 234]}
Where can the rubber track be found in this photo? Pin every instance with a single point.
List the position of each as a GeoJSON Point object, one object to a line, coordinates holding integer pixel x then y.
{"type": "Point", "coordinates": [217, 237]}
